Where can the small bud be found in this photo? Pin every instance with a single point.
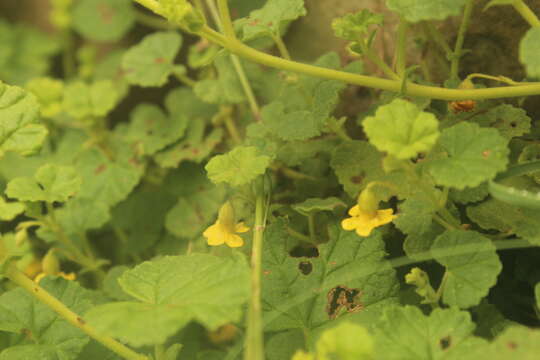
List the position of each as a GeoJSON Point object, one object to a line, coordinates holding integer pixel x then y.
{"type": "Point", "coordinates": [21, 236]}
{"type": "Point", "coordinates": [50, 263]}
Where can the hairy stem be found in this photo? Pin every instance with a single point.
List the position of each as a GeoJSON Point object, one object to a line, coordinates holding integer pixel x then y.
{"type": "Point", "coordinates": [254, 345]}
{"type": "Point", "coordinates": [57, 306]}
{"type": "Point", "coordinates": [458, 50]}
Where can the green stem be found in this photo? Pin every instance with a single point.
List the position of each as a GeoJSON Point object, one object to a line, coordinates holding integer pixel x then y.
{"type": "Point", "coordinates": [254, 346]}
{"type": "Point", "coordinates": [219, 19]}
{"type": "Point", "coordinates": [298, 235]}
{"type": "Point", "coordinates": [152, 21]}
{"type": "Point", "coordinates": [401, 54]}
{"type": "Point", "coordinates": [311, 227]}
{"type": "Point", "coordinates": [281, 47]}
{"type": "Point", "coordinates": [159, 352]}
{"type": "Point", "coordinates": [380, 64]}
{"type": "Point", "coordinates": [438, 38]}
{"type": "Point", "coordinates": [441, 285]}
{"type": "Point", "coordinates": [457, 54]}
{"type": "Point", "coordinates": [186, 80]}
{"type": "Point", "coordinates": [57, 306]}
{"type": "Point", "coordinates": [226, 20]}
{"type": "Point", "coordinates": [232, 129]}
{"type": "Point", "coordinates": [68, 60]}
{"type": "Point", "coordinates": [431, 92]}
{"type": "Point", "coordinates": [526, 13]}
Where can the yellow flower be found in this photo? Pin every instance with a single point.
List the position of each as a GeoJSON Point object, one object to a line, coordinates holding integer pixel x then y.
{"type": "Point", "coordinates": [51, 266]}
{"type": "Point", "coordinates": [364, 221]}
{"type": "Point", "coordinates": [225, 229]}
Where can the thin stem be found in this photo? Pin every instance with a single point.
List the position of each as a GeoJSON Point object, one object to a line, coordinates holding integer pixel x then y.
{"type": "Point", "coordinates": [432, 92]}
{"type": "Point", "coordinates": [380, 64]}
{"type": "Point", "coordinates": [291, 173]}
{"type": "Point", "coordinates": [68, 61]}
{"type": "Point", "coordinates": [232, 129]}
{"type": "Point", "coordinates": [57, 306]}
{"type": "Point", "coordinates": [254, 106]}
{"type": "Point", "coordinates": [442, 222]}
{"type": "Point", "coordinates": [298, 235]}
{"type": "Point", "coordinates": [159, 352]}
{"type": "Point", "coordinates": [401, 54]}
{"type": "Point", "coordinates": [226, 20]}
{"type": "Point", "coordinates": [254, 346]}
{"type": "Point", "coordinates": [437, 38]}
{"type": "Point", "coordinates": [281, 47]}
{"type": "Point", "coordinates": [441, 285]}
{"type": "Point", "coordinates": [186, 80]}
{"type": "Point", "coordinates": [152, 21]}
{"type": "Point", "coordinates": [311, 227]}
{"type": "Point", "coordinates": [458, 50]}
{"type": "Point", "coordinates": [153, 5]}
{"type": "Point", "coordinates": [526, 13]}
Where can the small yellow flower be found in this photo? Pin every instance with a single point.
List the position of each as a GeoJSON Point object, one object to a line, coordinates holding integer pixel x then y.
{"type": "Point", "coordinates": [364, 221]}
{"type": "Point", "coordinates": [225, 230]}
{"type": "Point", "coordinates": [51, 266]}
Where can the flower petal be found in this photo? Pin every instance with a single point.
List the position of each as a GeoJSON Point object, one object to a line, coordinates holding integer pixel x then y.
{"type": "Point", "coordinates": [215, 235]}
{"type": "Point", "coordinates": [365, 229]}
{"type": "Point", "coordinates": [241, 228]}
{"type": "Point", "coordinates": [355, 210]}
{"type": "Point", "coordinates": [385, 216]}
{"type": "Point", "coordinates": [234, 240]}
{"type": "Point", "coordinates": [349, 223]}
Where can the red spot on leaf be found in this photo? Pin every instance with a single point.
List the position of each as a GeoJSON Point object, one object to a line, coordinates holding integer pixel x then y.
{"type": "Point", "coordinates": [106, 13]}
{"type": "Point", "coordinates": [101, 168]}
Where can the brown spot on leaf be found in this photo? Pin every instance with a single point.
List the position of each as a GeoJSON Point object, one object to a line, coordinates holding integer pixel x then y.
{"type": "Point", "coordinates": [305, 267]}
{"type": "Point", "coordinates": [511, 345]}
{"type": "Point", "coordinates": [357, 179]}
{"type": "Point", "coordinates": [267, 272]}
{"type": "Point", "coordinates": [486, 153]}
{"type": "Point", "coordinates": [80, 320]}
{"type": "Point", "coordinates": [160, 60]}
{"type": "Point", "coordinates": [106, 13]}
{"type": "Point", "coordinates": [101, 168]}
{"type": "Point", "coordinates": [342, 297]}
{"type": "Point", "coordinates": [445, 342]}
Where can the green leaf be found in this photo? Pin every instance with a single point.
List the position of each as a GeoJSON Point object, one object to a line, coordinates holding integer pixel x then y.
{"type": "Point", "coordinates": [196, 207]}
{"type": "Point", "coordinates": [529, 154]}
{"type": "Point", "coordinates": [510, 121]}
{"type": "Point", "coordinates": [419, 10]}
{"type": "Point", "coordinates": [354, 27]}
{"type": "Point", "coordinates": [283, 345]}
{"type": "Point", "coordinates": [49, 93]}
{"type": "Point", "coordinates": [47, 335]}
{"type": "Point", "coordinates": [302, 108]}
{"type": "Point", "coordinates": [9, 210]}
{"type": "Point", "coordinates": [401, 129]}
{"type": "Point", "coordinates": [415, 214]}
{"type": "Point", "coordinates": [238, 167]}
{"type": "Point", "coordinates": [470, 155]}
{"type": "Point", "coordinates": [271, 18]}
{"type": "Point", "coordinates": [346, 341]}
{"type": "Point", "coordinates": [182, 13]}
{"type": "Point", "coordinates": [26, 52]}
{"type": "Point", "coordinates": [529, 49]}
{"type": "Point", "coordinates": [111, 286]}
{"type": "Point", "coordinates": [19, 130]}
{"type": "Point", "coordinates": [107, 180]}
{"type": "Point", "coordinates": [103, 20]}
{"type": "Point", "coordinates": [151, 130]}
{"type": "Point", "coordinates": [468, 276]}
{"type": "Point", "coordinates": [317, 204]}
{"type": "Point", "coordinates": [470, 195]}
{"type": "Point", "coordinates": [175, 290]}
{"type": "Point", "coordinates": [141, 217]}
{"type": "Point", "coordinates": [516, 342]}
{"type": "Point", "coordinates": [82, 100]}
{"type": "Point", "coordinates": [506, 218]}
{"type": "Point", "coordinates": [405, 333]}
{"type": "Point", "coordinates": [50, 183]}
{"type": "Point", "coordinates": [226, 89]}
{"type": "Point", "coordinates": [197, 144]}
{"type": "Point", "coordinates": [151, 62]}
{"type": "Point", "coordinates": [420, 243]}
{"type": "Point", "coordinates": [110, 68]}
{"type": "Point", "coordinates": [356, 163]}
{"type": "Point", "coordinates": [80, 215]}
{"type": "Point", "coordinates": [345, 266]}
